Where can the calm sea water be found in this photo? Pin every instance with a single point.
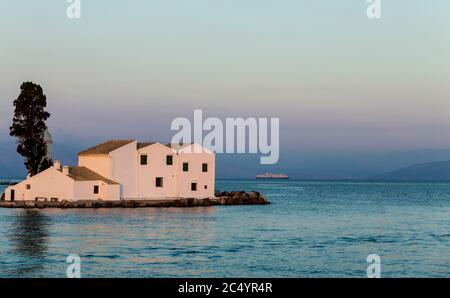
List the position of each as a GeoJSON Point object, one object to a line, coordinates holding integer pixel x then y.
{"type": "Point", "coordinates": [311, 229]}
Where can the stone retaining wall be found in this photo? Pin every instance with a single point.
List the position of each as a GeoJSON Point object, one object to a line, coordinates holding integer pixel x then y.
{"type": "Point", "coordinates": [226, 198]}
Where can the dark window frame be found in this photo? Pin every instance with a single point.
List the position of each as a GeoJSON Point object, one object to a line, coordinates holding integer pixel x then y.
{"type": "Point", "coordinates": [96, 189]}
{"type": "Point", "coordinates": [28, 186]}
{"type": "Point", "coordinates": [169, 157]}
{"type": "Point", "coordinates": [205, 167]}
{"type": "Point", "coordinates": [144, 159]}
{"type": "Point", "coordinates": [185, 167]}
{"type": "Point", "coordinates": [161, 180]}
{"type": "Point", "coordinates": [194, 186]}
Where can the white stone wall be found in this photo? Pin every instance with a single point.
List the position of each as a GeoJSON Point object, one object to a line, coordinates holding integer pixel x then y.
{"type": "Point", "coordinates": [50, 183]}
{"type": "Point", "coordinates": [157, 167]}
{"type": "Point", "coordinates": [125, 171]}
{"type": "Point", "coordinates": [195, 174]}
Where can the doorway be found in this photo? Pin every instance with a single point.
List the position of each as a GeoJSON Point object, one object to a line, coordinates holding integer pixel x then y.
{"type": "Point", "coordinates": [13, 195]}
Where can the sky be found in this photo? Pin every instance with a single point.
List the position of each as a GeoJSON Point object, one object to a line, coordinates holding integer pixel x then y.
{"type": "Point", "coordinates": [336, 79]}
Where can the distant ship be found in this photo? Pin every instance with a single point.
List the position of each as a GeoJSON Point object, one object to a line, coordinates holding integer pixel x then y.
{"type": "Point", "coordinates": [272, 176]}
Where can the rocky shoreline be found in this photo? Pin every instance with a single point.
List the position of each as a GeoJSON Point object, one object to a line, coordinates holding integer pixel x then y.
{"type": "Point", "coordinates": [221, 199]}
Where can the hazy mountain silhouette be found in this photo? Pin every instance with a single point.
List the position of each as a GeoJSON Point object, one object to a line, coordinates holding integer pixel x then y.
{"type": "Point", "coordinates": [11, 163]}
{"type": "Point", "coordinates": [439, 170]}
{"type": "Point", "coordinates": [327, 164]}
{"type": "Point", "coordinates": [301, 164]}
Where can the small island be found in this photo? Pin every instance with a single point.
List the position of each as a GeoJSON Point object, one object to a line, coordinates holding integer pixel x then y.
{"type": "Point", "coordinates": [128, 174]}
{"type": "Point", "coordinates": [112, 174]}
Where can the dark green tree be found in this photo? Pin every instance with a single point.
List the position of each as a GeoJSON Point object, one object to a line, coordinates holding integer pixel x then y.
{"type": "Point", "coordinates": [29, 127]}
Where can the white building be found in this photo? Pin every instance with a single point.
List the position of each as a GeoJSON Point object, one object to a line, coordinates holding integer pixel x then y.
{"type": "Point", "coordinates": [125, 169]}
{"type": "Point", "coordinates": [48, 139]}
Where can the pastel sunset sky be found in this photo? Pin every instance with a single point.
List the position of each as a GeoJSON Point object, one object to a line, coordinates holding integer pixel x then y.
{"type": "Point", "coordinates": [335, 78]}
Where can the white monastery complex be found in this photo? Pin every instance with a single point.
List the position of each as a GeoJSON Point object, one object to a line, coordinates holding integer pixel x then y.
{"type": "Point", "coordinates": [124, 170]}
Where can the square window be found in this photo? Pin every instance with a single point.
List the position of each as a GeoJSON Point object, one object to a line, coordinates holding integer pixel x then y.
{"type": "Point", "coordinates": [159, 182]}
{"type": "Point", "coordinates": [206, 186]}
{"type": "Point", "coordinates": [194, 186]}
{"type": "Point", "coordinates": [204, 167]}
{"type": "Point", "coordinates": [169, 160]}
{"type": "Point", "coordinates": [96, 188]}
{"type": "Point", "coordinates": [28, 186]}
{"type": "Point", "coordinates": [185, 167]}
{"type": "Point", "coordinates": [144, 160]}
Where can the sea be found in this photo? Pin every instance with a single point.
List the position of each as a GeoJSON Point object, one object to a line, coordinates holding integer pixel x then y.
{"type": "Point", "coordinates": [310, 229]}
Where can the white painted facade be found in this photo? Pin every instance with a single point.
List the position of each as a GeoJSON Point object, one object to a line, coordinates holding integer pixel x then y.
{"type": "Point", "coordinates": [157, 166]}
{"type": "Point", "coordinates": [55, 184]}
{"type": "Point", "coordinates": [127, 170]}
{"type": "Point", "coordinates": [204, 181]}
{"type": "Point", "coordinates": [139, 181]}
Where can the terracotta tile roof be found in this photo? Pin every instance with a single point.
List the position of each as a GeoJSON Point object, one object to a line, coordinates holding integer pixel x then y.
{"type": "Point", "coordinates": [85, 174]}
{"type": "Point", "coordinates": [144, 144]}
{"type": "Point", "coordinates": [178, 146]}
{"type": "Point", "coordinates": [105, 147]}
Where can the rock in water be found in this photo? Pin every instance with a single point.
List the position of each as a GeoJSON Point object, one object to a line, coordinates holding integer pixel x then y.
{"type": "Point", "coordinates": [29, 204]}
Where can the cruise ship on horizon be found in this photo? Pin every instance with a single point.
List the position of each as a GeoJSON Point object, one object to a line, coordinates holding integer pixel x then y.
{"type": "Point", "coordinates": [272, 176]}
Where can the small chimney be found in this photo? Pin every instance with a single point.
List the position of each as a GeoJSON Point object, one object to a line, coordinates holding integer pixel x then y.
{"type": "Point", "coordinates": [57, 164]}
{"type": "Point", "coordinates": [65, 170]}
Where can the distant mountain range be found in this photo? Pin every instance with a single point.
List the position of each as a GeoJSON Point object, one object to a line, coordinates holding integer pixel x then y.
{"type": "Point", "coordinates": [298, 164]}
{"type": "Point", "coordinates": [439, 170]}
{"type": "Point", "coordinates": [330, 164]}
{"type": "Point", "coordinates": [11, 163]}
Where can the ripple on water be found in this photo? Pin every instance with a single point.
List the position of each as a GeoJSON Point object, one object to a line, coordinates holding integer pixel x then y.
{"type": "Point", "coordinates": [312, 229]}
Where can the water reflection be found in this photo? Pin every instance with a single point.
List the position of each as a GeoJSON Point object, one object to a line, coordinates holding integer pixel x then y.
{"type": "Point", "coordinates": [156, 241]}
{"type": "Point", "coordinates": [29, 236]}
{"type": "Point", "coordinates": [308, 231]}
